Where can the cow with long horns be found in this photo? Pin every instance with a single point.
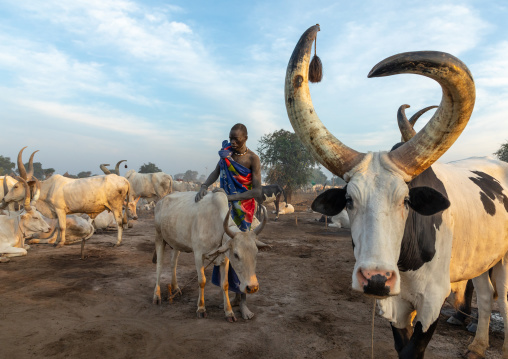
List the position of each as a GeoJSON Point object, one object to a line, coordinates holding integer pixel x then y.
{"type": "Point", "coordinates": [392, 196]}
{"type": "Point", "coordinates": [203, 228]}
{"type": "Point", "coordinates": [60, 196]}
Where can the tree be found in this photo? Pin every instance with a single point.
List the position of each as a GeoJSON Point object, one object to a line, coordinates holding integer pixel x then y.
{"type": "Point", "coordinates": [502, 153]}
{"type": "Point", "coordinates": [84, 174]}
{"type": "Point", "coordinates": [318, 177]}
{"type": "Point", "coordinates": [287, 160]}
{"type": "Point", "coordinates": [190, 176]}
{"type": "Point", "coordinates": [48, 172]}
{"type": "Point", "coordinates": [202, 179]}
{"type": "Point", "coordinates": [149, 168]}
{"type": "Point", "coordinates": [39, 172]}
{"type": "Point", "coordinates": [179, 176]}
{"type": "Point", "coordinates": [336, 181]}
{"type": "Point", "coordinates": [6, 166]}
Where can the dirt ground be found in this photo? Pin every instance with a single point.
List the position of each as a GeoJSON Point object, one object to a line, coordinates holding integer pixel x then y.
{"type": "Point", "coordinates": [54, 305]}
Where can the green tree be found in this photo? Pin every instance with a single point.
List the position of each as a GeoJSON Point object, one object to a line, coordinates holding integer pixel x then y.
{"type": "Point", "coordinates": [40, 172]}
{"type": "Point", "coordinates": [48, 172]}
{"type": "Point", "coordinates": [179, 176]}
{"type": "Point", "coordinates": [287, 160]}
{"type": "Point", "coordinates": [502, 153]}
{"type": "Point", "coordinates": [336, 181]}
{"type": "Point", "coordinates": [149, 168]}
{"type": "Point", "coordinates": [190, 176]}
{"type": "Point", "coordinates": [84, 174]}
{"type": "Point", "coordinates": [6, 166]}
{"type": "Point", "coordinates": [318, 177]}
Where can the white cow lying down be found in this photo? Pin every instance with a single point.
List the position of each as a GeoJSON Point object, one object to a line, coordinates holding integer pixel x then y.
{"type": "Point", "coordinates": [340, 220]}
{"type": "Point", "coordinates": [285, 209]}
{"type": "Point", "coordinates": [202, 228]}
{"type": "Point", "coordinates": [78, 228]}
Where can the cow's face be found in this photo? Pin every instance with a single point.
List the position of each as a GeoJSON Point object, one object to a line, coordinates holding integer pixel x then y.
{"type": "Point", "coordinates": [16, 193]}
{"type": "Point", "coordinates": [242, 255]}
{"type": "Point", "coordinates": [131, 209]}
{"type": "Point", "coordinates": [32, 222]}
{"type": "Point", "coordinates": [377, 200]}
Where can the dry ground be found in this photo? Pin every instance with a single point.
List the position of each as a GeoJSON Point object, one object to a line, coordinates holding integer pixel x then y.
{"type": "Point", "coordinates": [54, 305]}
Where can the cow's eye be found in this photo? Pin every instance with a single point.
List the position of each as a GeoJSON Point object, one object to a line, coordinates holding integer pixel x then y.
{"type": "Point", "coordinates": [349, 202]}
{"type": "Point", "coordinates": [236, 256]}
{"type": "Point", "coordinates": [406, 202]}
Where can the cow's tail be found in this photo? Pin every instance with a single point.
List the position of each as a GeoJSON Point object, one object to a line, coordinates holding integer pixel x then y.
{"type": "Point", "coordinates": [285, 198]}
{"type": "Point", "coordinates": [125, 219]}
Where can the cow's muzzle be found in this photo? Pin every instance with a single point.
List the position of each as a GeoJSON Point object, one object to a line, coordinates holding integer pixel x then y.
{"type": "Point", "coordinates": [250, 289]}
{"type": "Point", "coordinates": [377, 283]}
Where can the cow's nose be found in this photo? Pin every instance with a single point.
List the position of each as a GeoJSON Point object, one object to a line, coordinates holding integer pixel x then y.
{"type": "Point", "coordinates": [252, 288]}
{"type": "Point", "coordinates": [376, 282]}
{"type": "Point", "coordinates": [135, 217]}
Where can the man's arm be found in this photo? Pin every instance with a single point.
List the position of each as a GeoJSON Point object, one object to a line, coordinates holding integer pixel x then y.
{"type": "Point", "coordinates": [211, 179]}
{"type": "Point", "coordinates": [256, 190]}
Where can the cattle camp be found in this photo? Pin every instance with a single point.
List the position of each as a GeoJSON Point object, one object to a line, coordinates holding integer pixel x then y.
{"type": "Point", "coordinates": [168, 189]}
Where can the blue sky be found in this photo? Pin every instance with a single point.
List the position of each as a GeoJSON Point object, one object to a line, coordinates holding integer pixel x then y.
{"type": "Point", "coordinates": [97, 81]}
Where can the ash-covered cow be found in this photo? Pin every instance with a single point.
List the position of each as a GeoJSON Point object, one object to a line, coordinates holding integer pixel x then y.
{"type": "Point", "coordinates": [203, 229]}
{"type": "Point", "coordinates": [60, 196]}
{"type": "Point", "coordinates": [17, 226]}
{"type": "Point", "coordinates": [151, 186]}
{"type": "Point", "coordinates": [411, 223]}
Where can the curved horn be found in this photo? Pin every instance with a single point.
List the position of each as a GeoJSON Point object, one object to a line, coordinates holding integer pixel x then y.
{"type": "Point", "coordinates": [259, 228]}
{"type": "Point", "coordinates": [333, 154]}
{"type": "Point", "coordinates": [37, 192]}
{"type": "Point", "coordinates": [30, 173]}
{"type": "Point", "coordinates": [117, 167]}
{"type": "Point", "coordinates": [449, 120]}
{"type": "Point", "coordinates": [21, 166]}
{"type": "Point", "coordinates": [27, 193]}
{"type": "Point", "coordinates": [407, 127]}
{"type": "Point", "coordinates": [226, 227]}
{"type": "Point", "coordinates": [105, 169]}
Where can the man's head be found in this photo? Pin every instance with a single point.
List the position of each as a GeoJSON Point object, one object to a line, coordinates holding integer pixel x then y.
{"type": "Point", "coordinates": [238, 136]}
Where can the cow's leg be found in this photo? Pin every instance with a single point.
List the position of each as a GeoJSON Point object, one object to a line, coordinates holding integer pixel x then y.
{"type": "Point", "coordinates": [174, 261]}
{"type": "Point", "coordinates": [246, 313]}
{"type": "Point", "coordinates": [500, 280]}
{"type": "Point", "coordinates": [62, 225]}
{"type": "Point", "coordinates": [484, 297]}
{"type": "Point", "coordinates": [160, 245]}
{"type": "Point", "coordinates": [119, 225]}
{"type": "Point", "coordinates": [198, 257]}
{"type": "Point", "coordinates": [8, 251]}
{"type": "Point", "coordinates": [465, 309]}
{"type": "Point", "coordinates": [228, 310]}
{"type": "Point", "coordinates": [399, 312]}
{"type": "Point", "coordinates": [415, 349]}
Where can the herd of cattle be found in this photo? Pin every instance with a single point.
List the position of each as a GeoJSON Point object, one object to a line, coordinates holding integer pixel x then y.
{"type": "Point", "coordinates": [420, 229]}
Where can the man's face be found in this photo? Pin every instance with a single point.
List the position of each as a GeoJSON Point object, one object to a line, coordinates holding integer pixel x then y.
{"type": "Point", "coordinates": [237, 139]}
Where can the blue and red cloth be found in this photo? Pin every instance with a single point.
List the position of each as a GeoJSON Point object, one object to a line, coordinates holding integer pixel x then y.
{"type": "Point", "coordinates": [235, 178]}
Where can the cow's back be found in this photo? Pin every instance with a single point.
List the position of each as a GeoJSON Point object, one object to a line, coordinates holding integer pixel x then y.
{"type": "Point", "coordinates": [185, 224]}
{"type": "Point", "coordinates": [478, 214]}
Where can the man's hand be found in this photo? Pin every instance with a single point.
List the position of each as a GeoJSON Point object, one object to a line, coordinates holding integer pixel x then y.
{"type": "Point", "coordinates": [201, 193]}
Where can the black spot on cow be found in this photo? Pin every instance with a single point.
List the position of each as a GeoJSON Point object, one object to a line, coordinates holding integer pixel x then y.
{"type": "Point", "coordinates": [490, 190]}
{"type": "Point", "coordinates": [419, 241]}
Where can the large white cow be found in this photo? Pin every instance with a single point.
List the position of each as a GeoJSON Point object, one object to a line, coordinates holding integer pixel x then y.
{"type": "Point", "coordinates": [77, 228]}
{"type": "Point", "coordinates": [60, 196]}
{"type": "Point", "coordinates": [407, 249]}
{"type": "Point", "coordinates": [151, 186]}
{"type": "Point", "coordinates": [15, 227]}
{"type": "Point", "coordinates": [202, 228]}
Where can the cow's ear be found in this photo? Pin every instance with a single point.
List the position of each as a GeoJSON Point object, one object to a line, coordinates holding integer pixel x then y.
{"type": "Point", "coordinates": [427, 201]}
{"type": "Point", "coordinates": [330, 202]}
{"type": "Point", "coordinates": [221, 249]}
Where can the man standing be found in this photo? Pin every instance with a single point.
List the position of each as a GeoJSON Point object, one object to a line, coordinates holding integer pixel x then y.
{"type": "Point", "coordinates": [240, 176]}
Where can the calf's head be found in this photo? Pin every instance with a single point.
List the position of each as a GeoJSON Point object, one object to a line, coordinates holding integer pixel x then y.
{"type": "Point", "coordinates": [241, 248]}
{"type": "Point", "coordinates": [377, 196]}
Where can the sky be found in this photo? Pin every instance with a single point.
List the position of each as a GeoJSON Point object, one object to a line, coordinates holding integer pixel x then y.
{"type": "Point", "coordinates": [87, 82]}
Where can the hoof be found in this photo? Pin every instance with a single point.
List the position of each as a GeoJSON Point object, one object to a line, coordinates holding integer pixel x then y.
{"type": "Point", "coordinates": [231, 319]}
{"type": "Point", "coordinates": [471, 327]}
{"type": "Point", "coordinates": [59, 245]}
{"type": "Point", "coordinates": [157, 300]}
{"type": "Point", "coordinates": [4, 259]}
{"type": "Point", "coordinates": [117, 245]}
{"type": "Point", "coordinates": [247, 314]}
{"type": "Point", "coordinates": [202, 315]}
{"type": "Point", "coordinates": [454, 321]}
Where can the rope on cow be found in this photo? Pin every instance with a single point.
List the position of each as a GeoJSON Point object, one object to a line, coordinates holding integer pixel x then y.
{"type": "Point", "coordinates": [460, 311]}
{"type": "Point", "coordinates": [372, 336]}
{"type": "Point", "coordinates": [171, 296]}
